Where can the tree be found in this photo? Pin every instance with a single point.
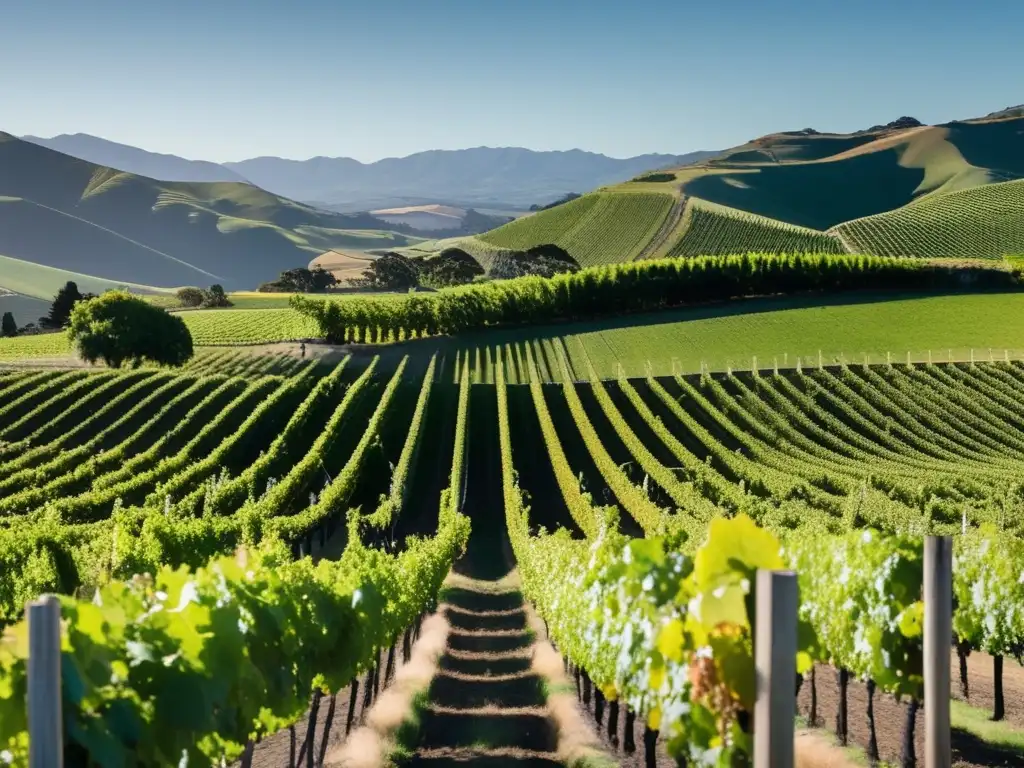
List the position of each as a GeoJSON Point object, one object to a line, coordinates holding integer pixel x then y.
{"type": "Point", "coordinates": [7, 326]}
{"type": "Point", "coordinates": [453, 266]}
{"type": "Point", "coordinates": [215, 297]}
{"type": "Point", "coordinates": [63, 302]}
{"type": "Point", "coordinates": [301, 280]}
{"type": "Point", "coordinates": [391, 272]}
{"type": "Point", "coordinates": [191, 297]}
{"type": "Point", "coordinates": [544, 260]}
{"type": "Point", "coordinates": [119, 328]}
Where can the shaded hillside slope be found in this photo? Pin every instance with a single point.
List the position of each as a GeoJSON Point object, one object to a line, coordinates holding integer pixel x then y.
{"type": "Point", "coordinates": [819, 181]}
{"type": "Point", "coordinates": [66, 213]}
{"type": "Point", "coordinates": [926, 191]}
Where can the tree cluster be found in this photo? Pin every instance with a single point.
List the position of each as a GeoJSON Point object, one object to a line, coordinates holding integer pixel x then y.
{"type": "Point", "coordinates": [214, 296]}
{"type": "Point", "coordinates": [540, 261]}
{"type": "Point", "coordinates": [8, 327]}
{"type": "Point", "coordinates": [119, 328]}
{"type": "Point", "coordinates": [395, 272]}
{"type": "Point", "coordinates": [301, 280]}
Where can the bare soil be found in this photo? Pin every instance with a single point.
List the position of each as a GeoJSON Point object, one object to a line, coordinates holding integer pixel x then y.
{"type": "Point", "coordinates": [981, 688]}
{"type": "Point", "coordinates": [274, 751]}
{"type": "Point", "coordinates": [890, 716]}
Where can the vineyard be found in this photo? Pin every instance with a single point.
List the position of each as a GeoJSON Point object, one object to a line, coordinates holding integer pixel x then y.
{"type": "Point", "coordinates": [597, 486]}
{"type": "Point", "coordinates": [599, 228]}
{"type": "Point", "coordinates": [970, 223]}
{"type": "Point", "coordinates": [709, 228]}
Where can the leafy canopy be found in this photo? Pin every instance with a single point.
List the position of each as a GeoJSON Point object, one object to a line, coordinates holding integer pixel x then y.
{"type": "Point", "coordinates": [119, 328]}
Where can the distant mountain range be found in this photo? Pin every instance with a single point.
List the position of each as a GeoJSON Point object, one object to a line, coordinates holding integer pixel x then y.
{"type": "Point", "coordinates": [61, 214]}
{"type": "Point", "coordinates": [134, 160]}
{"type": "Point", "coordinates": [484, 177]}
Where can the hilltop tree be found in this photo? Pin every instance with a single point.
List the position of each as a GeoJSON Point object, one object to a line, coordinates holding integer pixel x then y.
{"type": "Point", "coordinates": [119, 328]}
{"type": "Point", "coordinates": [8, 327]}
{"type": "Point", "coordinates": [63, 302]}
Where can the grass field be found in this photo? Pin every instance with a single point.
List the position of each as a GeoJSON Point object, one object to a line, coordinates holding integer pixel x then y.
{"type": "Point", "coordinates": [720, 336]}
{"type": "Point", "coordinates": [730, 336]}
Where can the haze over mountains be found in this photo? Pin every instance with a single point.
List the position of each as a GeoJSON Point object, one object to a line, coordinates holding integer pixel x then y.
{"type": "Point", "coordinates": [482, 177]}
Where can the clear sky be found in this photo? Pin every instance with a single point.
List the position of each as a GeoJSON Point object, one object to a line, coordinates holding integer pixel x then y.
{"type": "Point", "coordinates": [229, 79]}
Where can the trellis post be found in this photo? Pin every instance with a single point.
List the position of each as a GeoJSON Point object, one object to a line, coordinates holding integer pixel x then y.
{"type": "Point", "coordinates": [775, 647]}
{"type": "Point", "coordinates": [938, 628]}
{"type": "Point", "coordinates": [45, 726]}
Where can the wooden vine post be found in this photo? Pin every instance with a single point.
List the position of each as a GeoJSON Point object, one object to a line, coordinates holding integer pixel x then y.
{"type": "Point", "coordinates": [45, 726]}
{"type": "Point", "coordinates": [938, 628]}
{"type": "Point", "coordinates": [775, 647]}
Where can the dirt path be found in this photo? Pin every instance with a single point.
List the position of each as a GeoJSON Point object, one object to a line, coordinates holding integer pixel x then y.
{"type": "Point", "coordinates": [486, 705]}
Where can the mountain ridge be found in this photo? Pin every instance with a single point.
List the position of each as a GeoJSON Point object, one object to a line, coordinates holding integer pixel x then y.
{"type": "Point", "coordinates": [482, 176]}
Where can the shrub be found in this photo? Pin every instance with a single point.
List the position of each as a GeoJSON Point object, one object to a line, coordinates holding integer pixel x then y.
{"type": "Point", "coordinates": [119, 328]}
{"type": "Point", "coordinates": [190, 297]}
{"type": "Point", "coordinates": [215, 297]}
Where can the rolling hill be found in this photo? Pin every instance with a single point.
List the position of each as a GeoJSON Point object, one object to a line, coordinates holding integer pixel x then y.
{"type": "Point", "coordinates": [954, 190]}
{"type": "Point", "coordinates": [68, 214]}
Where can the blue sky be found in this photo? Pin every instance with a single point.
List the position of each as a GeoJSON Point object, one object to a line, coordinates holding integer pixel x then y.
{"type": "Point", "coordinates": [225, 80]}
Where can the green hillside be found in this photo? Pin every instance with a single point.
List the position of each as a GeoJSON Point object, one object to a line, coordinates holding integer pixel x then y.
{"type": "Point", "coordinates": [970, 223]}
{"type": "Point", "coordinates": [711, 229]}
{"type": "Point", "coordinates": [926, 191]}
{"type": "Point", "coordinates": [600, 228]}
{"type": "Point", "coordinates": [65, 213]}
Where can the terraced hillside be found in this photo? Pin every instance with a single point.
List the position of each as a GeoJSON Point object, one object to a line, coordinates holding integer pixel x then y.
{"type": "Point", "coordinates": [64, 213]}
